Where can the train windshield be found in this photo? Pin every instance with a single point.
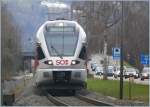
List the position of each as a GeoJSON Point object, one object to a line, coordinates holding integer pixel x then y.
{"type": "Point", "coordinates": [61, 40]}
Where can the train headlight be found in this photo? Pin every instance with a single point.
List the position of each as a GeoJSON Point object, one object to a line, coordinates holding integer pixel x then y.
{"type": "Point", "coordinates": [73, 62]}
{"type": "Point", "coordinates": [50, 62]}
{"type": "Point", "coordinates": [61, 24]}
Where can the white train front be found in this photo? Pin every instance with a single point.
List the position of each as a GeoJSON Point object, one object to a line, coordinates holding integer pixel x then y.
{"type": "Point", "coordinates": [61, 52]}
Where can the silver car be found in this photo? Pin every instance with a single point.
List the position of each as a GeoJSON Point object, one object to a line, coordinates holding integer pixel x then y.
{"type": "Point", "coordinates": [145, 73]}
{"type": "Point", "coordinates": [99, 70]}
{"type": "Point", "coordinates": [93, 66]}
{"type": "Point", "coordinates": [130, 72]}
{"type": "Point", "coordinates": [117, 71]}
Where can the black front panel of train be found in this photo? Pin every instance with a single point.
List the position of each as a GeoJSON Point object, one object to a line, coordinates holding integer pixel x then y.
{"type": "Point", "coordinates": [61, 76]}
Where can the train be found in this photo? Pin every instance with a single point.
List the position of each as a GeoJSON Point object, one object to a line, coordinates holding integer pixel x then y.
{"type": "Point", "coordinates": [61, 56]}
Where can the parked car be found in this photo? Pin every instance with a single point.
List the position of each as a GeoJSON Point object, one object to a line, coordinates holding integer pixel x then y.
{"type": "Point", "coordinates": [110, 71]}
{"type": "Point", "coordinates": [99, 70]}
{"type": "Point", "coordinates": [93, 66]}
{"type": "Point", "coordinates": [138, 72]}
{"type": "Point", "coordinates": [117, 71]}
{"type": "Point", "coordinates": [130, 72]}
{"type": "Point", "coordinates": [145, 73]}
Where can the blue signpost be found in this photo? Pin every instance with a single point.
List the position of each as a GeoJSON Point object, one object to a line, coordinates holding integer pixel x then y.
{"type": "Point", "coordinates": [116, 53]}
{"type": "Point", "coordinates": [144, 59]}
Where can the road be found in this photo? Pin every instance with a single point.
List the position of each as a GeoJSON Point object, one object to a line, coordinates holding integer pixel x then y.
{"type": "Point", "coordinates": [137, 81]}
{"type": "Point", "coordinates": [98, 57]}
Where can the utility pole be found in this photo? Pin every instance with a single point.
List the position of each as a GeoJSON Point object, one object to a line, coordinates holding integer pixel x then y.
{"type": "Point", "coordinates": [121, 62]}
{"type": "Point", "coordinates": [105, 56]}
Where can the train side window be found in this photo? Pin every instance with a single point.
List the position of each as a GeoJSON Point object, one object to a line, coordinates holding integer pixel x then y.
{"type": "Point", "coordinates": [83, 53]}
{"type": "Point", "coordinates": [40, 53]}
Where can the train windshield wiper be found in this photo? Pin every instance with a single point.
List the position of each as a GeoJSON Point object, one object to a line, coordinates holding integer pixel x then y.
{"type": "Point", "coordinates": [58, 54]}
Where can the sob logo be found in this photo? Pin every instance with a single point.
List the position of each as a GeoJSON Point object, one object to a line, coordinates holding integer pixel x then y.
{"type": "Point", "coordinates": [61, 62]}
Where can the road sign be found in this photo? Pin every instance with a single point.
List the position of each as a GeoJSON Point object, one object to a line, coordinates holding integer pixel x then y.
{"type": "Point", "coordinates": [116, 53]}
{"type": "Point", "coordinates": [144, 59]}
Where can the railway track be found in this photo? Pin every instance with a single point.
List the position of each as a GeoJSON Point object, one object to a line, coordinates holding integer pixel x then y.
{"type": "Point", "coordinates": [77, 100]}
{"type": "Point", "coordinates": [93, 101]}
{"type": "Point", "coordinates": [56, 101]}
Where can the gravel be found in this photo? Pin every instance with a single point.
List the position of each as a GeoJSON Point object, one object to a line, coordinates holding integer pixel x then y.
{"type": "Point", "coordinates": [73, 101]}
{"type": "Point", "coordinates": [34, 100]}
{"type": "Point", "coordinates": [32, 97]}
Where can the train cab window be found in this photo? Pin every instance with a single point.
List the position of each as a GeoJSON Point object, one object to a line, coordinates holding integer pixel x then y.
{"type": "Point", "coordinates": [40, 53]}
{"type": "Point", "coordinates": [61, 40]}
{"type": "Point", "coordinates": [83, 53]}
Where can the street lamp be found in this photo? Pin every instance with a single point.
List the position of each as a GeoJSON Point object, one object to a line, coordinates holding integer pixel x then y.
{"type": "Point", "coordinates": [121, 62]}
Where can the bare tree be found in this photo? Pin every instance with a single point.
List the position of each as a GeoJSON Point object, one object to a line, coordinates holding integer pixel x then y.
{"type": "Point", "coordinates": [11, 46]}
{"type": "Point", "coordinates": [102, 15]}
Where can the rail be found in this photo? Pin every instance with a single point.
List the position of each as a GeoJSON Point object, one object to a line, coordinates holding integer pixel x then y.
{"type": "Point", "coordinates": [56, 101]}
{"type": "Point", "coordinates": [93, 101]}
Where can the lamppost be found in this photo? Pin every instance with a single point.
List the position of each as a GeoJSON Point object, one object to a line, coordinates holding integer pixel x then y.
{"type": "Point", "coordinates": [105, 56]}
{"type": "Point", "coordinates": [121, 62]}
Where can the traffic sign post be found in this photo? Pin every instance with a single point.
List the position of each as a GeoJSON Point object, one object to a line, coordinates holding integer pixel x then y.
{"type": "Point", "coordinates": [144, 59]}
{"type": "Point", "coordinates": [116, 53]}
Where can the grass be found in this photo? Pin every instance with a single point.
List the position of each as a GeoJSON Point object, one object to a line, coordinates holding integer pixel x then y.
{"type": "Point", "coordinates": [111, 88]}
